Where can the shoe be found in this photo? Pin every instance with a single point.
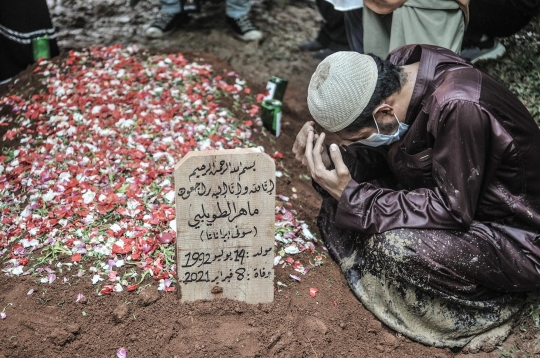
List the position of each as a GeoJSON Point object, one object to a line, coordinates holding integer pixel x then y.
{"type": "Point", "coordinates": [311, 46]}
{"type": "Point", "coordinates": [164, 25]}
{"type": "Point", "coordinates": [322, 54]}
{"type": "Point", "coordinates": [244, 29]}
{"type": "Point", "coordinates": [485, 49]}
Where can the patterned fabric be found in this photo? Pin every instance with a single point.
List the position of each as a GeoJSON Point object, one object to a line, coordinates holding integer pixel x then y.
{"type": "Point", "coordinates": [418, 282]}
{"type": "Point", "coordinates": [20, 21]}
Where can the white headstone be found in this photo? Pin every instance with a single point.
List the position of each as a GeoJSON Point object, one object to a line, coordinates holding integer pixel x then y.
{"type": "Point", "coordinates": [225, 204]}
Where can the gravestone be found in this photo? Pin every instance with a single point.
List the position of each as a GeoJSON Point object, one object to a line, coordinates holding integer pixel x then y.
{"type": "Point", "coordinates": [225, 202]}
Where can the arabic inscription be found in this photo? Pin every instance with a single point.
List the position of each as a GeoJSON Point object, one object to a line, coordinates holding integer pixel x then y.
{"type": "Point", "coordinates": [225, 225]}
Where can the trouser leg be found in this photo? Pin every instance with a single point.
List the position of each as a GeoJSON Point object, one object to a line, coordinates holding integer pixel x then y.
{"type": "Point", "coordinates": [332, 33]}
{"type": "Point", "coordinates": [495, 18]}
{"type": "Point", "coordinates": [354, 29]}
{"type": "Point", "coordinates": [170, 6]}
{"type": "Point", "coordinates": [237, 8]}
{"type": "Point", "coordinates": [22, 18]}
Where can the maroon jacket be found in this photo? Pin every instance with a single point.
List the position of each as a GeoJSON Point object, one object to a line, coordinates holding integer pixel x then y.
{"type": "Point", "coordinates": [472, 153]}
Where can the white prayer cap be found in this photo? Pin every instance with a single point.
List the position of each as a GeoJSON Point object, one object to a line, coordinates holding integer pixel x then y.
{"type": "Point", "coordinates": [341, 88]}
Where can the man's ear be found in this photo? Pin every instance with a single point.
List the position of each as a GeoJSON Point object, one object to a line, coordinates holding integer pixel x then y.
{"type": "Point", "coordinates": [384, 108]}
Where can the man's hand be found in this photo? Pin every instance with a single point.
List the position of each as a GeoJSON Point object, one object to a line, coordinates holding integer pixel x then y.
{"type": "Point", "coordinates": [299, 147]}
{"type": "Point", "coordinates": [333, 181]}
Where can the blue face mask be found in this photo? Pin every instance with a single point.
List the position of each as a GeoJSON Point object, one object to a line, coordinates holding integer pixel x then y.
{"type": "Point", "coordinates": [377, 139]}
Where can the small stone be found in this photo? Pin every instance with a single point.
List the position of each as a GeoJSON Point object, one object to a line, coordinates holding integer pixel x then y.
{"type": "Point", "coordinates": [316, 325]}
{"type": "Point", "coordinates": [148, 296]}
{"type": "Point", "coordinates": [120, 313]}
{"type": "Point", "coordinates": [374, 325]}
{"type": "Point", "coordinates": [238, 310]}
{"type": "Point", "coordinates": [73, 328]}
{"type": "Point", "coordinates": [60, 336]}
{"type": "Point", "coordinates": [389, 338]}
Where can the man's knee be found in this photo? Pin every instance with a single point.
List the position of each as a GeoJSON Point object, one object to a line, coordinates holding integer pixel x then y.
{"type": "Point", "coordinates": [397, 245]}
{"type": "Point", "coordinates": [394, 253]}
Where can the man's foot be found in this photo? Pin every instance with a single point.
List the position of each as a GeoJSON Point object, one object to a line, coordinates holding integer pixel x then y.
{"type": "Point", "coordinates": [164, 25]}
{"type": "Point", "coordinates": [244, 29]}
{"type": "Point", "coordinates": [485, 49]}
{"type": "Point", "coordinates": [311, 46]}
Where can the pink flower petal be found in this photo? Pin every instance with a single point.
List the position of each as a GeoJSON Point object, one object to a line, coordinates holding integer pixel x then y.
{"type": "Point", "coordinates": [294, 277]}
{"type": "Point", "coordinates": [121, 353]}
{"type": "Point", "coordinates": [51, 277]}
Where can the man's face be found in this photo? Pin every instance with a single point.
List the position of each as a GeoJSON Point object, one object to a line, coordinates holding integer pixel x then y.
{"type": "Point", "coordinates": [385, 120]}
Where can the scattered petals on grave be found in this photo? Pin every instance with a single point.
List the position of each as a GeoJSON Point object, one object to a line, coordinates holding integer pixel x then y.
{"type": "Point", "coordinates": [88, 191]}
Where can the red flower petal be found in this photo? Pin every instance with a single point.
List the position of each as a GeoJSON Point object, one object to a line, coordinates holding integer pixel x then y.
{"type": "Point", "coordinates": [76, 257]}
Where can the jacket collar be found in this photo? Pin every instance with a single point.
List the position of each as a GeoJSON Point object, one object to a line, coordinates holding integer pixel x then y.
{"type": "Point", "coordinates": [429, 57]}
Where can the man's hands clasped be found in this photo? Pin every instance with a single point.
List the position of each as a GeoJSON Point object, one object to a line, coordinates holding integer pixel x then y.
{"type": "Point", "coordinates": [299, 147]}
{"type": "Point", "coordinates": [310, 151]}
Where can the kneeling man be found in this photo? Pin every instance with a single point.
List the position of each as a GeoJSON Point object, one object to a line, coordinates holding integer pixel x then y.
{"type": "Point", "coordinates": [432, 204]}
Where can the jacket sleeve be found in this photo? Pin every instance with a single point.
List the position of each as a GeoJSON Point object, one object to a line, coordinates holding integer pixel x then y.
{"type": "Point", "coordinates": [462, 133]}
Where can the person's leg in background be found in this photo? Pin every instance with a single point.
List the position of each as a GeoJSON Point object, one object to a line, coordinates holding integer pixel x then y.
{"type": "Point", "coordinates": [238, 18]}
{"type": "Point", "coordinates": [20, 21]}
{"type": "Point", "coordinates": [172, 14]}
{"type": "Point", "coordinates": [490, 19]}
{"type": "Point", "coordinates": [441, 25]}
{"type": "Point", "coordinates": [168, 19]}
{"type": "Point", "coordinates": [433, 22]}
{"type": "Point", "coordinates": [332, 36]}
{"type": "Point", "coordinates": [354, 28]}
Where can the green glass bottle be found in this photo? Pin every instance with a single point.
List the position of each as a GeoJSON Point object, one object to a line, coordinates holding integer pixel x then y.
{"type": "Point", "coordinates": [40, 47]}
{"type": "Point", "coordinates": [271, 116]}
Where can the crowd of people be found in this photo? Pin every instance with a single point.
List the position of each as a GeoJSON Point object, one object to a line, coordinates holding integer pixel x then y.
{"type": "Point", "coordinates": [470, 28]}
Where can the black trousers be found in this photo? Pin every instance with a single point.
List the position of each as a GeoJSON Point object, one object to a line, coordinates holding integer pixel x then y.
{"type": "Point", "coordinates": [20, 21]}
{"type": "Point", "coordinates": [499, 18]}
{"type": "Point", "coordinates": [332, 33]}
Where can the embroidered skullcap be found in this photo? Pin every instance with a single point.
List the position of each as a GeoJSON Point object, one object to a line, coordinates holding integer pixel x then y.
{"type": "Point", "coordinates": [341, 88]}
